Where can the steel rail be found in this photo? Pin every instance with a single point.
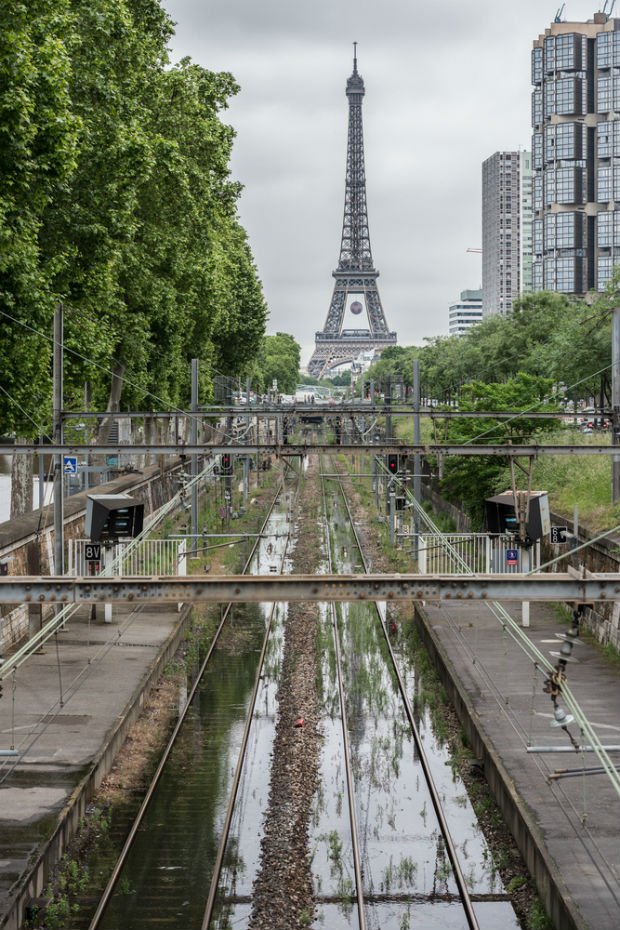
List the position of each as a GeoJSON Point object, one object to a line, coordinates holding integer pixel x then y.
{"type": "Point", "coordinates": [466, 901]}
{"type": "Point", "coordinates": [113, 879]}
{"type": "Point", "coordinates": [230, 807]}
{"type": "Point", "coordinates": [357, 866]}
{"type": "Point", "coordinates": [383, 446]}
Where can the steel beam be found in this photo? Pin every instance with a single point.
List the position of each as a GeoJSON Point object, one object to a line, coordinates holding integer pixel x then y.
{"type": "Point", "coordinates": [334, 410]}
{"type": "Point", "coordinates": [266, 588]}
{"type": "Point", "coordinates": [383, 448]}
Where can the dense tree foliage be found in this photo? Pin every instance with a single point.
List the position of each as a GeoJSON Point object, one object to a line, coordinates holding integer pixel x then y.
{"type": "Point", "coordinates": [470, 480]}
{"type": "Point", "coordinates": [550, 350]}
{"type": "Point", "coordinates": [548, 335]}
{"type": "Point", "coordinates": [278, 359]}
{"type": "Point", "coordinates": [116, 199]}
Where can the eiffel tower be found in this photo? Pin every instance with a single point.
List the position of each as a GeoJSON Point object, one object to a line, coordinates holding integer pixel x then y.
{"type": "Point", "coordinates": [355, 287]}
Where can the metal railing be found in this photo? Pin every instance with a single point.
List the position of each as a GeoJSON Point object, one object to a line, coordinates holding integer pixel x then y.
{"type": "Point", "coordinates": [146, 557]}
{"type": "Point", "coordinates": [480, 553]}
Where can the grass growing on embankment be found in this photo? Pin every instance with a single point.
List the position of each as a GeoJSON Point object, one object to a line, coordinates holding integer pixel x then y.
{"type": "Point", "coordinates": [576, 480]}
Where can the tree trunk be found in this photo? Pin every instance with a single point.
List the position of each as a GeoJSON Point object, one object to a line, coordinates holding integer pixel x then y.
{"type": "Point", "coordinates": [114, 400]}
{"type": "Point", "coordinates": [21, 484]}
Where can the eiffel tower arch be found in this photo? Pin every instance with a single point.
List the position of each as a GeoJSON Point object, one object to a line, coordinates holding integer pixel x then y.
{"type": "Point", "coordinates": [355, 285]}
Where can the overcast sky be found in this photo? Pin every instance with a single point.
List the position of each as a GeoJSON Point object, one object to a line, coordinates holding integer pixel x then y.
{"type": "Point", "coordinates": [447, 84]}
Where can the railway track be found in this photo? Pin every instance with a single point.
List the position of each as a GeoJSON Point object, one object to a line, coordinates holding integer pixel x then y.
{"type": "Point", "coordinates": [429, 787]}
{"type": "Point", "coordinates": [371, 845]}
{"type": "Point", "coordinates": [160, 875]}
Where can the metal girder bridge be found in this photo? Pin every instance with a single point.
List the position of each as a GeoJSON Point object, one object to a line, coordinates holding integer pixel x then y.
{"type": "Point", "coordinates": [383, 447]}
{"type": "Point", "coordinates": [267, 588]}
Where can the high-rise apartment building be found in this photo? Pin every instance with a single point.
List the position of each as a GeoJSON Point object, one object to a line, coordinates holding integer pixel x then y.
{"type": "Point", "coordinates": [465, 312]}
{"type": "Point", "coordinates": [575, 152]}
{"type": "Point", "coordinates": [506, 229]}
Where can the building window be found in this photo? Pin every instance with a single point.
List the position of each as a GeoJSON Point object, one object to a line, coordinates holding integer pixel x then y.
{"type": "Point", "coordinates": [537, 65]}
{"type": "Point", "coordinates": [549, 56]}
{"type": "Point", "coordinates": [537, 149]}
{"type": "Point", "coordinates": [549, 136]}
{"type": "Point", "coordinates": [603, 95]}
{"type": "Point", "coordinates": [604, 184]}
{"type": "Point", "coordinates": [537, 108]}
{"type": "Point", "coordinates": [565, 146]}
{"type": "Point", "coordinates": [567, 185]}
{"type": "Point", "coordinates": [565, 275]}
{"type": "Point", "coordinates": [549, 274]}
{"type": "Point", "coordinates": [566, 231]}
{"type": "Point", "coordinates": [549, 227]}
{"type": "Point", "coordinates": [604, 269]}
{"type": "Point", "coordinates": [549, 192]}
{"type": "Point", "coordinates": [537, 276]}
{"type": "Point", "coordinates": [604, 140]}
{"type": "Point", "coordinates": [603, 50]}
{"type": "Point", "coordinates": [565, 97]}
{"type": "Point", "coordinates": [549, 99]}
{"type": "Point", "coordinates": [537, 237]}
{"type": "Point", "coordinates": [604, 230]}
{"type": "Point", "coordinates": [565, 52]}
{"type": "Point", "coordinates": [537, 192]}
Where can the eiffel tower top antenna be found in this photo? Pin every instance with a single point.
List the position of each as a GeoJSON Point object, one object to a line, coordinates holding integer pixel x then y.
{"type": "Point", "coordinates": [355, 58]}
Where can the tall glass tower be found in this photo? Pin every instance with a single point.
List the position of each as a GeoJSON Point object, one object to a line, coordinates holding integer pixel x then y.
{"type": "Point", "coordinates": [576, 155]}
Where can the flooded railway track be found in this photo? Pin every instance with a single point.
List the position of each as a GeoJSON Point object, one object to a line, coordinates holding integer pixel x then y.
{"type": "Point", "coordinates": [162, 875]}
{"type": "Point", "coordinates": [390, 889]}
{"type": "Point", "coordinates": [323, 798]}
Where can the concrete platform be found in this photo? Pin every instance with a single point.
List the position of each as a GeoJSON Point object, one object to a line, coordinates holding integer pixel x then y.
{"type": "Point", "coordinates": [67, 714]}
{"type": "Point", "coordinates": [569, 829]}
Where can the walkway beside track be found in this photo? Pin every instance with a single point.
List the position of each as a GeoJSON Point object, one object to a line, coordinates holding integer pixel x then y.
{"type": "Point", "coordinates": [70, 748]}
{"type": "Point", "coordinates": [567, 830]}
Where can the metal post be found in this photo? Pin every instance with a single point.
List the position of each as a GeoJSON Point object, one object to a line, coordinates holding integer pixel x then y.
{"type": "Point", "coordinates": [417, 459]}
{"type": "Point", "coordinates": [41, 458]}
{"type": "Point", "coordinates": [194, 458]}
{"type": "Point", "coordinates": [59, 536]}
{"type": "Point", "coordinates": [615, 402]}
{"type": "Point", "coordinates": [246, 460]}
{"type": "Point", "coordinates": [392, 496]}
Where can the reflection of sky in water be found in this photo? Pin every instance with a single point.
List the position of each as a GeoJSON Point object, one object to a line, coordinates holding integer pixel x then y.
{"type": "Point", "coordinates": [167, 878]}
{"type": "Point", "coordinates": [403, 853]}
{"type": "Point", "coordinates": [238, 877]}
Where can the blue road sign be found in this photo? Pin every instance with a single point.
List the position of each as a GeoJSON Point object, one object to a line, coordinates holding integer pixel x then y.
{"type": "Point", "coordinates": [512, 556]}
{"type": "Point", "coordinates": [70, 464]}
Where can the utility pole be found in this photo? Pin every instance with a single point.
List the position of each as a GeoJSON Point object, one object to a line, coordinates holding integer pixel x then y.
{"type": "Point", "coordinates": [417, 459]}
{"type": "Point", "coordinates": [194, 459]}
{"type": "Point", "coordinates": [615, 402]}
{"type": "Point", "coordinates": [59, 528]}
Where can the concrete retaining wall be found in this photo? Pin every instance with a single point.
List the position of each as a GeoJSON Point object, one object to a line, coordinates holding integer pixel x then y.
{"type": "Point", "coordinates": [521, 824]}
{"type": "Point", "coordinates": [27, 542]}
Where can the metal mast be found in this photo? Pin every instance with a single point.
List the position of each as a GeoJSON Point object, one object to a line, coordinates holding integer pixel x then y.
{"type": "Point", "coordinates": [355, 276]}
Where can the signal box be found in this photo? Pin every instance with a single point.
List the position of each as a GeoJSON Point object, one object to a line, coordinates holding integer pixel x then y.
{"type": "Point", "coordinates": [112, 516]}
{"type": "Point", "coordinates": [502, 517]}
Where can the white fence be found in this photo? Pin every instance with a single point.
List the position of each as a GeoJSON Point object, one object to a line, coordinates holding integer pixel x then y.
{"type": "Point", "coordinates": [460, 553]}
{"type": "Point", "coordinates": [147, 557]}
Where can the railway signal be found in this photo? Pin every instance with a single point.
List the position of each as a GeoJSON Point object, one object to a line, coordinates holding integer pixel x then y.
{"type": "Point", "coordinates": [226, 464]}
{"type": "Point", "coordinates": [392, 464]}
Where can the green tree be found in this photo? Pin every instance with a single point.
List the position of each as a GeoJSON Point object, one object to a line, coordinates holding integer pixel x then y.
{"type": "Point", "coordinates": [469, 480]}
{"type": "Point", "coordinates": [38, 152]}
{"type": "Point", "coordinates": [278, 359]}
